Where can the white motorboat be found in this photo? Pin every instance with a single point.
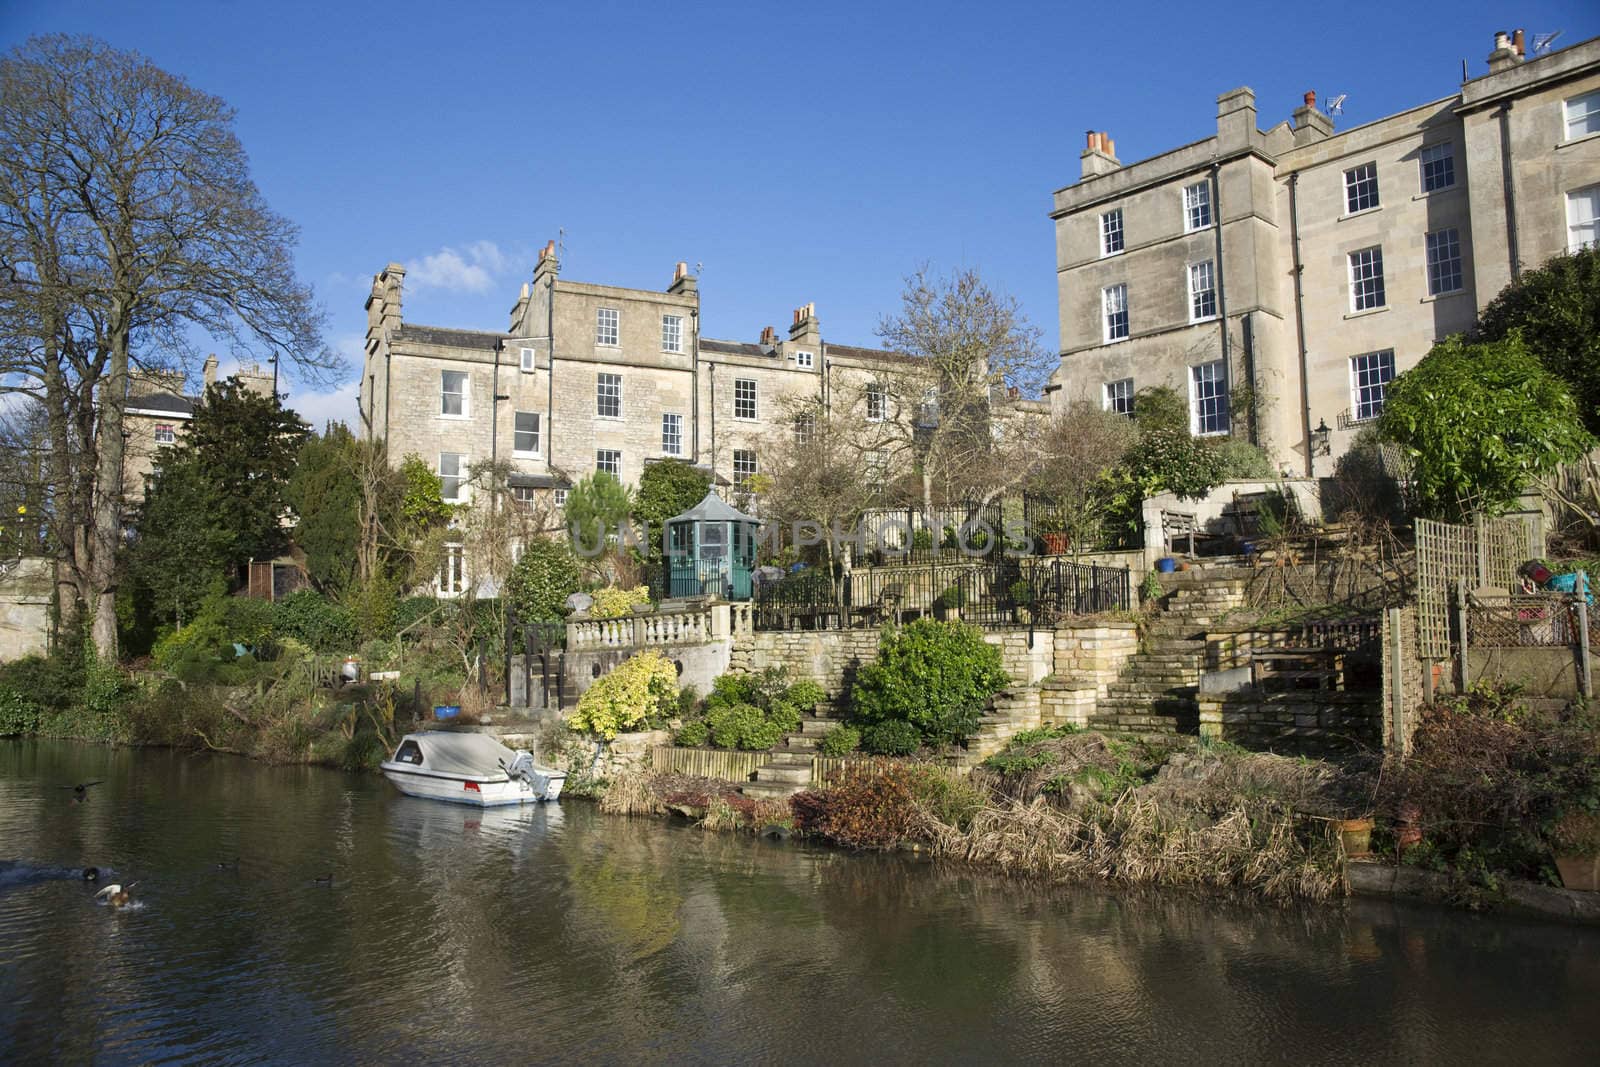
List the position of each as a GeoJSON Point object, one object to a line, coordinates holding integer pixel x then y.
{"type": "Point", "coordinates": [469, 769]}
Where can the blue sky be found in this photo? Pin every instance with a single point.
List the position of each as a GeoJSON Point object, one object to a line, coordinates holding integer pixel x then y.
{"type": "Point", "coordinates": [799, 152]}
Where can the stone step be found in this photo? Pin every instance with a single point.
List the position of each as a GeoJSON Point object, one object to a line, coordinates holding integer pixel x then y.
{"type": "Point", "coordinates": [799, 743]}
{"type": "Point", "coordinates": [770, 790]}
{"type": "Point", "coordinates": [816, 726]}
{"type": "Point", "coordinates": [799, 775]}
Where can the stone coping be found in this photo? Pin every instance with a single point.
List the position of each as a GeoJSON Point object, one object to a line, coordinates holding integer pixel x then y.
{"type": "Point", "coordinates": [1374, 878]}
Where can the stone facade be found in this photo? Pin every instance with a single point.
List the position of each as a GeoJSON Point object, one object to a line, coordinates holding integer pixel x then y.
{"type": "Point", "coordinates": [25, 609]}
{"type": "Point", "coordinates": [1094, 653]}
{"type": "Point", "coordinates": [1236, 251]}
{"type": "Point", "coordinates": [828, 657]}
{"type": "Point", "coordinates": [157, 417]}
{"type": "Point", "coordinates": [601, 372]}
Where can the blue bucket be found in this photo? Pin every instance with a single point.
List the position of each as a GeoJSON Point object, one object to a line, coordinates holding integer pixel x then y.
{"type": "Point", "coordinates": [1166, 564]}
{"type": "Point", "coordinates": [446, 711]}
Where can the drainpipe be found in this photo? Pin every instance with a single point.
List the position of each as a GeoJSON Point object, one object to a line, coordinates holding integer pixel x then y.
{"type": "Point", "coordinates": [1222, 290]}
{"type": "Point", "coordinates": [1247, 324]}
{"type": "Point", "coordinates": [1504, 114]}
{"type": "Point", "coordinates": [550, 384]}
{"type": "Point", "coordinates": [711, 386]}
{"type": "Point", "coordinates": [694, 382]}
{"type": "Point", "coordinates": [1299, 318]}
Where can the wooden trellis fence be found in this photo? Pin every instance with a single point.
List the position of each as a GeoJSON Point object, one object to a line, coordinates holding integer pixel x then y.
{"type": "Point", "coordinates": [1486, 553]}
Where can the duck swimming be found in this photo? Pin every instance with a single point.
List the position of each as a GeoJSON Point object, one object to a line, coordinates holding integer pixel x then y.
{"type": "Point", "coordinates": [116, 895]}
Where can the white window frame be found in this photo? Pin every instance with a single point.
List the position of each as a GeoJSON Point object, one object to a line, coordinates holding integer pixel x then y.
{"type": "Point", "coordinates": [1114, 322]}
{"type": "Point", "coordinates": [1370, 375]}
{"type": "Point", "coordinates": [1113, 239]}
{"type": "Point", "coordinates": [606, 458]}
{"type": "Point", "coordinates": [745, 458]}
{"type": "Point", "coordinates": [517, 433]}
{"type": "Point", "coordinates": [458, 477]}
{"type": "Point", "coordinates": [1582, 115]}
{"type": "Point", "coordinates": [561, 498]}
{"type": "Point", "coordinates": [1367, 289]}
{"type": "Point", "coordinates": [453, 570]}
{"type": "Point", "coordinates": [1360, 182]}
{"type": "Point", "coordinates": [671, 433]}
{"type": "Point", "coordinates": [166, 434]}
{"type": "Point", "coordinates": [1583, 232]}
{"type": "Point", "coordinates": [1208, 399]}
{"type": "Point", "coordinates": [807, 360]}
{"type": "Point", "coordinates": [1202, 291]}
{"type": "Point", "coordinates": [1442, 256]}
{"type": "Point", "coordinates": [1441, 158]}
{"type": "Point", "coordinates": [1117, 396]}
{"type": "Point", "coordinates": [746, 399]}
{"type": "Point", "coordinates": [1196, 206]}
{"type": "Point", "coordinates": [607, 327]}
{"type": "Point", "coordinates": [672, 333]}
{"type": "Point", "coordinates": [523, 495]}
{"type": "Point", "coordinates": [607, 393]}
{"type": "Point", "coordinates": [805, 427]}
{"type": "Point", "coordinates": [877, 397]}
{"type": "Point", "coordinates": [529, 362]}
{"type": "Point", "coordinates": [464, 395]}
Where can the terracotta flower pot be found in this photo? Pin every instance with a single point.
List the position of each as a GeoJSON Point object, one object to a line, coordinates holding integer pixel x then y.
{"type": "Point", "coordinates": [1055, 544]}
{"type": "Point", "coordinates": [1355, 835]}
{"type": "Point", "coordinates": [1408, 827]}
{"type": "Point", "coordinates": [1579, 872]}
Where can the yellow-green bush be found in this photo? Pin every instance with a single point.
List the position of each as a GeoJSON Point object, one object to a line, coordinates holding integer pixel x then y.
{"type": "Point", "coordinates": [613, 602]}
{"type": "Point", "coordinates": [643, 688]}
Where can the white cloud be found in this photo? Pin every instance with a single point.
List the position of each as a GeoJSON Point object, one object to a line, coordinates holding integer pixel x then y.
{"type": "Point", "coordinates": [471, 269]}
{"type": "Point", "coordinates": [318, 409]}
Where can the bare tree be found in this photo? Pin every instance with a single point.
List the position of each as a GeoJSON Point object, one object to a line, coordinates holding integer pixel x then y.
{"type": "Point", "coordinates": [1072, 456]}
{"type": "Point", "coordinates": [941, 410]}
{"type": "Point", "coordinates": [131, 220]}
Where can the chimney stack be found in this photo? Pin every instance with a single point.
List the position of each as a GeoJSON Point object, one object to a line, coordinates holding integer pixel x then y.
{"type": "Point", "coordinates": [208, 372]}
{"type": "Point", "coordinates": [805, 327]}
{"type": "Point", "coordinates": [1516, 42]}
{"type": "Point", "coordinates": [1310, 125]}
{"type": "Point", "coordinates": [548, 264]}
{"type": "Point", "coordinates": [1100, 155]}
{"type": "Point", "coordinates": [682, 280]}
{"type": "Point", "coordinates": [1506, 53]}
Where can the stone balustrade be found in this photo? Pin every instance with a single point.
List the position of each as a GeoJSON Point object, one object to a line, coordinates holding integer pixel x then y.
{"type": "Point", "coordinates": [688, 625]}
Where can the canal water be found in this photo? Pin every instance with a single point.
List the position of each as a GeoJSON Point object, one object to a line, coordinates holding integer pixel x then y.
{"type": "Point", "coordinates": [560, 935]}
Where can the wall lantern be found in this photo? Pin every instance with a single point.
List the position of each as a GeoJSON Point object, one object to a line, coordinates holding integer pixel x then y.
{"type": "Point", "coordinates": [1320, 443]}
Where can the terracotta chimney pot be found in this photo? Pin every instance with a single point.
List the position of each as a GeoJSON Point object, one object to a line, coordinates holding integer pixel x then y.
{"type": "Point", "coordinates": [1311, 98]}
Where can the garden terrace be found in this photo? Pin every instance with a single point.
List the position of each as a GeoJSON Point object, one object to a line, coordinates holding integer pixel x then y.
{"type": "Point", "coordinates": [994, 595]}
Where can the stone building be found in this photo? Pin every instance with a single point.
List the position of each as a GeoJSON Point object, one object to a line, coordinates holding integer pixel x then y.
{"type": "Point", "coordinates": [597, 377]}
{"type": "Point", "coordinates": [157, 415]}
{"type": "Point", "coordinates": [1311, 266]}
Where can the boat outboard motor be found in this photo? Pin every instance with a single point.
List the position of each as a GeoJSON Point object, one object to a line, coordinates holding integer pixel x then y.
{"type": "Point", "coordinates": [521, 766]}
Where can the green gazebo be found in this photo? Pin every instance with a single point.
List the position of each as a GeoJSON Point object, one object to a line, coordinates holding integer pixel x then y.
{"type": "Point", "coordinates": [710, 551]}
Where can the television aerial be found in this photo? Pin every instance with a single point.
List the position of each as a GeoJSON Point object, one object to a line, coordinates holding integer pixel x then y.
{"type": "Point", "coordinates": [1543, 41]}
{"type": "Point", "coordinates": [1336, 105]}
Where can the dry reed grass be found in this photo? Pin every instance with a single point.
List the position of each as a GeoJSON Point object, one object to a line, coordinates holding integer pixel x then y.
{"type": "Point", "coordinates": [631, 794]}
{"type": "Point", "coordinates": [1139, 841]}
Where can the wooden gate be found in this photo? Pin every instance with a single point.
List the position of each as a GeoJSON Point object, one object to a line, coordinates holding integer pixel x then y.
{"type": "Point", "coordinates": [1486, 553]}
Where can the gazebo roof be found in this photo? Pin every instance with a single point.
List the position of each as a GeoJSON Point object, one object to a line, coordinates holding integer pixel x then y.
{"type": "Point", "coordinates": [714, 509]}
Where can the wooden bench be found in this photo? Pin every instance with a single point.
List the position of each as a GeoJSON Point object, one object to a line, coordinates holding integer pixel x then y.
{"type": "Point", "coordinates": [1325, 666]}
{"type": "Point", "coordinates": [1176, 524]}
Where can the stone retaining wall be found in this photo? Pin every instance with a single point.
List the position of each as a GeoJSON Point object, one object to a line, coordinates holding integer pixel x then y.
{"type": "Point", "coordinates": [1094, 652]}
{"type": "Point", "coordinates": [1311, 722]}
{"type": "Point", "coordinates": [828, 657]}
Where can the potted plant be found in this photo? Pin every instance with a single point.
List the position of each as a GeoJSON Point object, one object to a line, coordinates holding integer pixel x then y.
{"type": "Point", "coordinates": [1355, 836]}
{"type": "Point", "coordinates": [1054, 536]}
{"type": "Point", "coordinates": [950, 602]}
{"type": "Point", "coordinates": [1575, 839]}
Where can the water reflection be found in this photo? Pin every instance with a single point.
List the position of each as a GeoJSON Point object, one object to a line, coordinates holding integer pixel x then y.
{"type": "Point", "coordinates": [547, 933]}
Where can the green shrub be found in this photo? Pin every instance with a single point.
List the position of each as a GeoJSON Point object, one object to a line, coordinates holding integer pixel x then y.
{"type": "Point", "coordinates": [693, 734]}
{"type": "Point", "coordinates": [892, 737]}
{"type": "Point", "coordinates": [1243, 461]}
{"type": "Point", "coordinates": [922, 538]}
{"type": "Point", "coordinates": [934, 676]}
{"type": "Point", "coordinates": [953, 597]}
{"type": "Point", "coordinates": [19, 714]}
{"type": "Point", "coordinates": [315, 622]}
{"type": "Point", "coordinates": [839, 741]}
{"type": "Point", "coordinates": [738, 726]}
{"type": "Point", "coordinates": [412, 610]}
{"type": "Point", "coordinates": [641, 690]}
{"type": "Point", "coordinates": [49, 682]}
{"type": "Point", "coordinates": [613, 602]}
{"type": "Point", "coordinates": [805, 694]}
{"type": "Point", "coordinates": [545, 575]}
